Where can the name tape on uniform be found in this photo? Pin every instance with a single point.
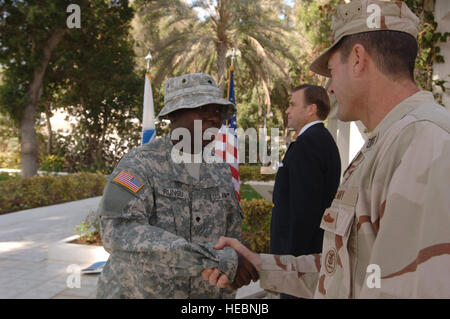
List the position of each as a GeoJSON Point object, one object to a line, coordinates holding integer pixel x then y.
{"type": "Point", "coordinates": [173, 193]}
{"type": "Point", "coordinates": [348, 196]}
{"type": "Point", "coordinates": [220, 195]}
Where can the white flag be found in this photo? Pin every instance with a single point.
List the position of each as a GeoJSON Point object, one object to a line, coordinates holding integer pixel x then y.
{"type": "Point", "coordinates": [148, 121]}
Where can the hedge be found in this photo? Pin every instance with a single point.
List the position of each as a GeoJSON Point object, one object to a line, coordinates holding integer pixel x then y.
{"type": "Point", "coordinates": [38, 191]}
{"type": "Point", "coordinates": [256, 224]}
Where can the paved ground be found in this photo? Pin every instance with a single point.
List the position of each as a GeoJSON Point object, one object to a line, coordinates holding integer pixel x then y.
{"type": "Point", "coordinates": [265, 189]}
{"type": "Point", "coordinates": [26, 272]}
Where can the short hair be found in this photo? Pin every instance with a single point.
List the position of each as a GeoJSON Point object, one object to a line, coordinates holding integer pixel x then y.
{"type": "Point", "coordinates": [393, 52]}
{"type": "Point", "coordinates": [314, 94]}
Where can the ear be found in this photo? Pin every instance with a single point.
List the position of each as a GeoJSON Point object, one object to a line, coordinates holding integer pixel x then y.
{"type": "Point", "coordinates": [358, 59]}
{"type": "Point", "coordinates": [312, 109]}
{"type": "Point", "coordinates": [173, 121]}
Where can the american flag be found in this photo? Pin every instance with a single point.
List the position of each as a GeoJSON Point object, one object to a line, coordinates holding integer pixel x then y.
{"type": "Point", "coordinates": [227, 142]}
{"type": "Point", "coordinates": [129, 181]}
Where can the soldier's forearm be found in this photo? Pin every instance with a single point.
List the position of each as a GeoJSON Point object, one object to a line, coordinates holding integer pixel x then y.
{"type": "Point", "coordinates": [296, 276]}
{"type": "Point", "coordinates": [156, 250]}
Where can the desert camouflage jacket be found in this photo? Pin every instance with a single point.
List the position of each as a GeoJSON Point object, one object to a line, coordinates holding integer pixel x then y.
{"type": "Point", "coordinates": [387, 232]}
{"type": "Point", "coordinates": [159, 226]}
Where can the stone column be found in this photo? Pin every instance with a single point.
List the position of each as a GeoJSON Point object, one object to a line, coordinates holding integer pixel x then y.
{"type": "Point", "coordinates": [349, 136]}
{"type": "Point", "coordinates": [441, 71]}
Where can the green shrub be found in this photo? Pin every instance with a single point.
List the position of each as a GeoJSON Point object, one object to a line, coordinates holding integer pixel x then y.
{"type": "Point", "coordinates": [253, 173]}
{"type": "Point", "coordinates": [88, 227]}
{"type": "Point", "coordinates": [4, 176]}
{"type": "Point", "coordinates": [37, 191]}
{"type": "Point", "coordinates": [256, 224]}
{"type": "Point", "coordinates": [52, 163]}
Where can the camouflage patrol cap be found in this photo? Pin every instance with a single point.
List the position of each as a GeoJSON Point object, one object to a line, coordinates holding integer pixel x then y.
{"type": "Point", "coordinates": [191, 91]}
{"type": "Point", "coordinates": [361, 16]}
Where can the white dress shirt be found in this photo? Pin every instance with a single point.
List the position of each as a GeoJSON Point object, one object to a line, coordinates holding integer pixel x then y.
{"type": "Point", "coordinates": [307, 126]}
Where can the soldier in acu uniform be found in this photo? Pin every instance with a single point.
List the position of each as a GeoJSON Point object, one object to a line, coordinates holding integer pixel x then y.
{"type": "Point", "coordinates": [387, 231]}
{"type": "Point", "coordinates": [160, 218]}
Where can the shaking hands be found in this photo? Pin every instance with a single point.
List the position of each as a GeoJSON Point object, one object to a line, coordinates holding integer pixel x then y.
{"type": "Point", "coordinates": [247, 270]}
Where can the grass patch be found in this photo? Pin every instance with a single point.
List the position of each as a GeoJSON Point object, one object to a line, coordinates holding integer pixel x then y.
{"type": "Point", "coordinates": [248, 193]}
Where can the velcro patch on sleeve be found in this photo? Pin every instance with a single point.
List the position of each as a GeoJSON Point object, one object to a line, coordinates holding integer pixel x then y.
{"type": "Point", "coordinates": [129, 181]}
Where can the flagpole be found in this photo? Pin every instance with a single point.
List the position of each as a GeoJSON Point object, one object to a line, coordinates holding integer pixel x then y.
{"type": "Point", "coordinates": [227, 143]}
{"type": "Point", "coordinates": [228, 98]}
{"type": "Point", "coordinates": [234, 164]}
{"type": "Point", "coordinates": [148, 120]}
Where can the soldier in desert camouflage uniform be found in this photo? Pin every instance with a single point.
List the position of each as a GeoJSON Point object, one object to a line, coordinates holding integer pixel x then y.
{"type": "Point", "coordinates": [392, 211]}
{"type": "Point", "coordinates": [159, 219]}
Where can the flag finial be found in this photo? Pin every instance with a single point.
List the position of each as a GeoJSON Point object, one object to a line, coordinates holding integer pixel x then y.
{"type": "Point", "coordinates": [233, 53]}
{"type": "Point", "coordinates": [148, 58]}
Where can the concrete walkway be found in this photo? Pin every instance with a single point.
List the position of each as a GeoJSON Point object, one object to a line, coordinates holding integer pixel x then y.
{"type": "Point", "coordinates": [265, 189]}
{"type": "Point", "coordinates": [25, 270]}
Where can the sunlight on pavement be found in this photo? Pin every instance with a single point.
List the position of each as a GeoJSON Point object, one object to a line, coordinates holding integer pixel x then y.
{"type": "Point", "coordinates": [13, 245]}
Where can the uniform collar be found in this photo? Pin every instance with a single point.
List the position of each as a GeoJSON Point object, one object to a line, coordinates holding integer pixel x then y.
{"type": "Point", "coordinates": [179, 173]}
{"type": "Point", "coordinates": [396, 114]}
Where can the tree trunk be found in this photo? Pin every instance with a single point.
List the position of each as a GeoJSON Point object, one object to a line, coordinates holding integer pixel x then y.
{"type": "Point", "coordinates": [267, 97]}
{"type": "Point", "coordinates": [222, 43]}
{"type": "Point", "coordinates": [221, 65]}
{"type": "Point", "coordinates": [99, 150]}
{"type": "Point", "coordinates": [48, 115]}
{"type": "Point", "coordinates": [28, 141]}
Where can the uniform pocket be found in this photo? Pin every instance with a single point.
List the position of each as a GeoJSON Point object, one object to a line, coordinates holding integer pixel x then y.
{"type": "Point", "coordinates": [338, 220]}
{"type": "Point", "coordinates": [172, 211]}
{"type": "Point", "coordinates": [339, 217]}
{"type": "Point", "coordinates": [210, 207]}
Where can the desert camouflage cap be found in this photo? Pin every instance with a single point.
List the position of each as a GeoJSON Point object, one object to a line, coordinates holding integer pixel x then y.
{"type": "Point", "coordinates": [361, 16]}
{"type": "Point", "coordinates": [193, 90]}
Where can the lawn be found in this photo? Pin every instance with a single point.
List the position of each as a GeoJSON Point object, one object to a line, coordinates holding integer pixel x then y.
{"type": "Point", "coordinates": [247, 192]}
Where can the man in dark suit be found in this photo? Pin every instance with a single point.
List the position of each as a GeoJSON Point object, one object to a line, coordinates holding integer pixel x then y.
{"type": "Point", "coordinates": [307, 178]}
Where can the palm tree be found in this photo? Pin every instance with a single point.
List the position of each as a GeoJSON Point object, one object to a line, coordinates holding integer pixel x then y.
{"type": "Point", "coordinates": [195, 36]}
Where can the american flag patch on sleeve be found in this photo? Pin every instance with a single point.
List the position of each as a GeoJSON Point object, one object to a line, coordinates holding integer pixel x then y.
{"type": "Point", "coordinates": [129, 181]}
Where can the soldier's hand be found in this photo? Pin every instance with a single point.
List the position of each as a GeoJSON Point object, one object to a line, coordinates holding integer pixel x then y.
{"type": "Point", "coordinates": [215, 278]}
